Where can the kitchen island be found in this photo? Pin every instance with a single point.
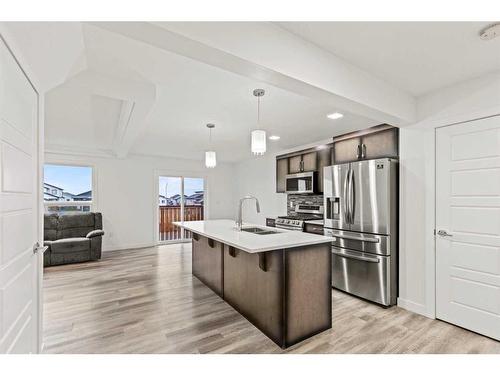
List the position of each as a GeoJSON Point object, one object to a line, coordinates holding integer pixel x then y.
{"type": "Point", "coordinates": [277, 279]}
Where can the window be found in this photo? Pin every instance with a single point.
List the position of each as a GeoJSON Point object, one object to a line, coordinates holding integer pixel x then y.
{"type": "Point", "coordinates": [180, 199]}
{"type": "Point", "coordinates": [67, 189]}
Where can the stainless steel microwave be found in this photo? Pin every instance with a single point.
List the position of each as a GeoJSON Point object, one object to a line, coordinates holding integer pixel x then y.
{"type": "Point", "coordinates": [301, 183]}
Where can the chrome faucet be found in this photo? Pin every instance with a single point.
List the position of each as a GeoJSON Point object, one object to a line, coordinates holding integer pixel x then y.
{"type": "Point", "coordinates": [239, 221]}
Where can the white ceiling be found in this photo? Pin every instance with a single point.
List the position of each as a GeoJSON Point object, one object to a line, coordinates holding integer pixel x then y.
{"type": "Point", "coordinates": [189, 94]}
{"type": "Point", "coordinates": [107, 72]}
{"type": "Point", "coordinates": [417, 57]}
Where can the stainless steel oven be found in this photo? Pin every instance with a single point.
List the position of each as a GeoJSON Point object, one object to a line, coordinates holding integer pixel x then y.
{"type": "Point", "coordinates": [301, 183]}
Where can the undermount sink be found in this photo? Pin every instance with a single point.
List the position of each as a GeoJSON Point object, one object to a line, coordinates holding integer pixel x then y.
{"type": "Point", "coordinates": [257, 230]}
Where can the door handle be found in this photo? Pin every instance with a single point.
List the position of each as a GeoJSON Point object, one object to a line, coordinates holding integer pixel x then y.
{"type": "Point", "coordinates": [444, 233]}
{"type": "Point", "coordinates": [363, 151]}
{"type": "Point", "coordinates": [39, 249]}
{"type": "Point", "coordinates": [358, 153]}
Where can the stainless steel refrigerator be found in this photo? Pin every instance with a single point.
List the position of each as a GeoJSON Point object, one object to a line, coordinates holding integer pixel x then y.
{"type": "Point", "coordinates": [361, 214]}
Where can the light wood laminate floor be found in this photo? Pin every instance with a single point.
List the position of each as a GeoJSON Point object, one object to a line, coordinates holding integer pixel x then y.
{"type": "Point", "coordinates": [147, 301]}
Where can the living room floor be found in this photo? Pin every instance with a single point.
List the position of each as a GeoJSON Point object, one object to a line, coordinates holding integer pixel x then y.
{"type": "Point", "coordinates": [147, 301]}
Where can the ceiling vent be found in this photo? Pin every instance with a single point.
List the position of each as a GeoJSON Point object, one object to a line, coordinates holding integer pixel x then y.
{"type": "Point", "coordinates": [490, 32]}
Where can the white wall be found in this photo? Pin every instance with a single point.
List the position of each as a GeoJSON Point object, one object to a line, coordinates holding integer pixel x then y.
{"type": "Point", "coordinates": [125, 193]}
{"type": "Point", "coordinates": [463, 102]}
{"type": "Point", "coordinates": [257, 176]}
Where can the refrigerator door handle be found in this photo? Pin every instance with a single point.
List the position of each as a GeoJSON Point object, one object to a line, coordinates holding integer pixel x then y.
{"type": "Point", "coordinates": [361, 239]}
{"type": "Point", "coordinates": [344, 198]}
{"type": "Point", "coordinates": [351, 196]}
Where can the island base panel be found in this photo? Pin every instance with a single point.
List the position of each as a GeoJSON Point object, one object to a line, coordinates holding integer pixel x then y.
{"type": "Point", "coordinates": [285, 293]}
{"type": "Point", "coordinates": [253, 292]}
{"type": "Point", "coordinates": [308, 292]}
{"type": "Point", "coordinates": [207, 262]}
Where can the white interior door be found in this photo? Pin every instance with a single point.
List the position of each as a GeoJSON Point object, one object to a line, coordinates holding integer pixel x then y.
{"type": "Point", "coordinates": [468, 216]}
{"type": "Point", "coordinates": [19, 266]}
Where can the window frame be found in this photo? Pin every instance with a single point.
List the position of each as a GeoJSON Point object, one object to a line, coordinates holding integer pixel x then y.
{"type": "Point", "coordinates": [92, 204]}
{"type": "Point", "coordinates": [175, 173]}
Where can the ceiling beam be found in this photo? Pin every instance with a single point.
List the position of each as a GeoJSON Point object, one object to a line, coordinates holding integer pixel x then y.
{"type": "Point", "coordinates": [267, 53]}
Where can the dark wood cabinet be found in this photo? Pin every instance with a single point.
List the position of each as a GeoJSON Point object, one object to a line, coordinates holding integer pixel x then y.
{"type": "Point", "coordinates": [381, 141]}
{"type": "Point", "coordinates": [383, 144]}
{"type": "Point", "coordinates": [295, 164]}
{"type": "Point", "coordinates": [270, 222]}
{"type": "Point", "coordinates": [207, 262]}
{"type": "Point", "coordinates": [324, 160]}
{"type": "Point", "coordinates": [286, 293]}
{"type": "Point", "coordinates": [253, 292]}
{"type": "Point", "coordinates": [310, 160]}
{"type": "Point", "coordinates": [346, 150]}
{"type": "Point", "coordinates": [281, 172]}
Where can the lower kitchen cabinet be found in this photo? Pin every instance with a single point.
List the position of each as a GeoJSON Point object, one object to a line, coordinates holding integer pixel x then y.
{"type": "Point", "coordinates": [285, 293]}
{"type": "Point", "coordinates": [207, 262]}
{"type": "Point", "coordinates": [253, 292]}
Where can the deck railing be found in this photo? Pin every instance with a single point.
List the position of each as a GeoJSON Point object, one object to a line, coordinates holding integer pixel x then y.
{"type": "Point", "coordinates": [169, 214]}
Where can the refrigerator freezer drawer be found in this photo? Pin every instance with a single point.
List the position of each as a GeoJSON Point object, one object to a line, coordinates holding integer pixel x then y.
{"type": "Point", "coordinates": [369, 243]}
{"type": "Point", "coordinates": [365, 275]}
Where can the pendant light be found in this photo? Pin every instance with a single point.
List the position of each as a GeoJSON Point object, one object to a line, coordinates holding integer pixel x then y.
{"type": "Point", "coordinates": [210, 158]}
{"type": "Point", "coordinates": [258, 135]}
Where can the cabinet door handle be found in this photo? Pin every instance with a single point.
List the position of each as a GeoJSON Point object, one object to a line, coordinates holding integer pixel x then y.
{"type": "Point", "coordinates": [358, 153]}
{"type": "Point", "coordinates": [363, 151]}
{"type": "Point", "coordinates": [232, 251]}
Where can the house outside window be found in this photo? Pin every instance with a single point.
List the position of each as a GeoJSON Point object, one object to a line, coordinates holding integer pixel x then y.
{"type": "Point", "coordinates": [67, 188]}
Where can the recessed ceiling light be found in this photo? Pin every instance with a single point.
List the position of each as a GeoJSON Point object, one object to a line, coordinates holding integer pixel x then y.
{"type": "Point", "coordinates": [335, 115]}
{"type": "Point", "coordinates": [274, 137]}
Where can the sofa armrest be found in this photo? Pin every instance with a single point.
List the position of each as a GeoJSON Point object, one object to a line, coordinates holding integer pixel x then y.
{"type": "Point", "coordinates": [95, 233]}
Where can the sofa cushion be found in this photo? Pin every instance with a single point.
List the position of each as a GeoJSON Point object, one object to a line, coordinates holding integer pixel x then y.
{"type": "Point", "coordinates": [74, 232]}
{"type": "Point", "coordinates": [76, 220]}
{"type": "Point", "coordinates": [70, 245]}
{"type": "Point", "coordinates": [50, 225]}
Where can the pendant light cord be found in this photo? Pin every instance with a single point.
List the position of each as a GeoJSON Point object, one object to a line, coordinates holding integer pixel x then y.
{"type": "Point", "coordinates": [258, 111]}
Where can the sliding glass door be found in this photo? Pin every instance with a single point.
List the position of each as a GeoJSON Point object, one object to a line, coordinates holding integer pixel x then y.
{"type": "Point", "coordinates": [179, 199]}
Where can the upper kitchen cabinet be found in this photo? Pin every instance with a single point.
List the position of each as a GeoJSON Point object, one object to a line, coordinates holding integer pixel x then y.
{"type": "Point", "coordinates": [295, 164]}
{"type": "Point", "coordinates": [324, 160]}
{"type": "Point", "coordinates": [346, 150]}
{"type": "Point", "coordinates": [303, 162]}
{"type": "Point", "coordinates": [281, 172]}
{"type": "Point", "coordinates": [310, 160]}
{"type": "Point", "coordinates": [380, 141]}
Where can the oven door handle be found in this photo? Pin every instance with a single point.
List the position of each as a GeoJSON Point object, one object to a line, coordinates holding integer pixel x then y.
{"type": "Point", "coordinates": [356, 257]}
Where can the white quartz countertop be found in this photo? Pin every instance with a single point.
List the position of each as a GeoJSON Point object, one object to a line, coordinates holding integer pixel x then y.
{"type": "Point", "coordinates": [225, 231]}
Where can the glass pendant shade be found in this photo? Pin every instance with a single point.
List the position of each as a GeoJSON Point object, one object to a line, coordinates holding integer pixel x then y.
{"type": "Point", "coordinates": [258, 142]}
{"type": "Point", "coordinates": [210, 159]}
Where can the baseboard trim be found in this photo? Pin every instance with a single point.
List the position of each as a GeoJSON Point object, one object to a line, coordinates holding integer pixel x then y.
{"type": "Point", "coordinates": [417, 308]}
{"type": "Point", "coordinates": [128, 247]}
